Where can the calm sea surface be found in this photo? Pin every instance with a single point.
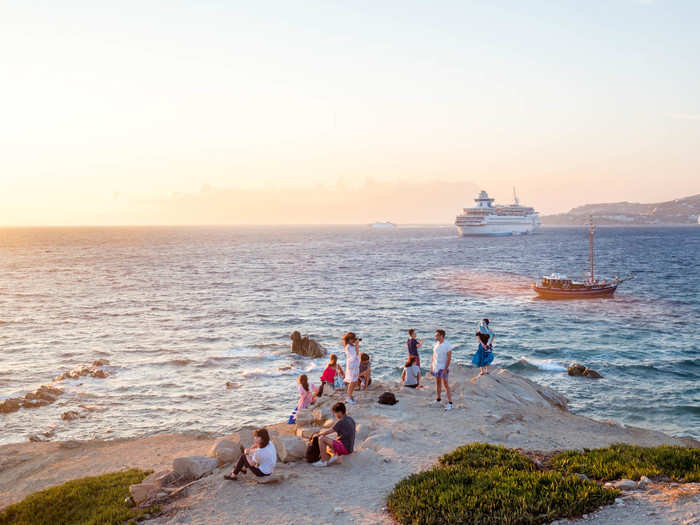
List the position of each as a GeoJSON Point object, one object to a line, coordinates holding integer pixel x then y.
{"type": "Point", "coordinates": [180, 311]}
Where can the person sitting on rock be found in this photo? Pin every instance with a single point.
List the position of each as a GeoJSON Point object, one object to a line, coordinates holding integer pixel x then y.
{"type": "Point", "coordinates": [260, 459]}
{"type": "Point", "coordinates": [410, 376]}
{"type": "Point", "coordinates": [343, 446]}
{"type": "Point", "coordinates": [307, 396]}
{"type": "Point", "coordinates": [365, 372]}
{"type": "Point", "coordinates": [330, 374]}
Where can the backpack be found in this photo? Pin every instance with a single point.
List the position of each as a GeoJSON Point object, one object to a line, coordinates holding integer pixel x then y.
{"type": "Point", "coordinates": [313, 451]}
{"type": "Point", "coordinates": [387, 398]}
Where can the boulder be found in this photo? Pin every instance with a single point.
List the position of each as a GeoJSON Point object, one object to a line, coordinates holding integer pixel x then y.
{"type": "Point", "coordinates": [289, 448]}
{"type": "Point", "coordinates": [47, 393]}
{"type": "Point", "coordinates": [12, 404]}
{"type": "Point", "coordinates": [592, 374]}
{"type": "Point", "coordinates": [225, 450]}
{"type": "Point", "coordinates": [306, 346]}
{"type": "Point", "coordinates": [622, 484]}
{"type": "Point", "coordinates": [162, 478]}
{"type": "Point", "coordinates": [321, 414]}
{"type": "Point", "coordinates": [194, 467]}
{"type": "Point", "coordinates": [70, 415]}
{"type": "Point", "coordinates": [305, 417]}
{"type": "Point", "coordinates": [35, 403]}
{"type": "Point", "coordinates": [576, 369]}
{"type": "Point", "coordinates": [143, 491]}
{"type": "Point", "coordinates": [100, 362]}
{"type": "Point", "coordinates": [579, 370]}
{"type": "Point", "coordinates": [306, 433]}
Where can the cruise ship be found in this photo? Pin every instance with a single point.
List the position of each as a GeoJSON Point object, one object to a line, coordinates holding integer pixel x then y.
{"type": "Point", "coordinates": [485, 219]}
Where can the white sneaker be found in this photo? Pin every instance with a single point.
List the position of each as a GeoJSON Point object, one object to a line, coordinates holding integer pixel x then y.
{"type": "Point", "coordinates": [436, 403]}
{"type": "Point", "coordinates": [350, 401]}
{"type": "Point", "coordinates": [449, 406]}
{"type": "Point", "coordinates": [332, 460]}
{"type": "Point", "coordinates": [320, 463]}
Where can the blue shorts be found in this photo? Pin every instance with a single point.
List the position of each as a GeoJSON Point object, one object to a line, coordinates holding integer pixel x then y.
{"type": "Point", "coordinates": [441, 373]}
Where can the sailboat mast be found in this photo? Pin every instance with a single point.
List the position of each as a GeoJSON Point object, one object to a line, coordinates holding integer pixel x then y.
{"type": "Point", "coordinates": [590, 242]}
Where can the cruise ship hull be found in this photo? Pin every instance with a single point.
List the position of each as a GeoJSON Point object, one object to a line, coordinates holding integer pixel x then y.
{"type": "Point", "coordinates": [497, 230]}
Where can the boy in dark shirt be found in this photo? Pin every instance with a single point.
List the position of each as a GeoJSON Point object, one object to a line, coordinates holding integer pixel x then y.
{"type": "Point", "coordinates": [344, 445]}
{"type": "Point", "coordinates": [413, 345]}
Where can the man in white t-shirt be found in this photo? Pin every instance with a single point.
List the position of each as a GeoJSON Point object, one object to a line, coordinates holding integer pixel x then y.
{"type": "Point", "coordinates": [439, 367]}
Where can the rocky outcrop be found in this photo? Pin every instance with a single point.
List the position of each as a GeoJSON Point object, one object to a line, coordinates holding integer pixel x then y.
{"type": "Point", "coordinates": [194, 467]}
{"type": "Point", "coordinates": [306, 346]}
{"type": "Point", "coordinates": [225, 451]}
{"type": "Point", "coordinates": [289, 448]}
{"type": "Point", "coordinates": [44, 395]}
{"type": "Point", "coordinates": [86, 370]}
{"type": "Point", "coordinates": [150, 489]}
{"type": "Point", "coordinates": [579, 370]}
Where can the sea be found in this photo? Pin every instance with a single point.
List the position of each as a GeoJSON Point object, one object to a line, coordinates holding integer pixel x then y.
{"type": "Point", "coordinates": [195, 321]}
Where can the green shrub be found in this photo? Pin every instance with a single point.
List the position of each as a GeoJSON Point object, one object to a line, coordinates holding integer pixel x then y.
{"type": "Point", "coordinates": [484, 456]}
{"type": "Point", "coordinates": [632, 462]}
{"type": "Point", "coordinates": [484, 484]}
{"type": "Point", "coordinates": [95, 500]}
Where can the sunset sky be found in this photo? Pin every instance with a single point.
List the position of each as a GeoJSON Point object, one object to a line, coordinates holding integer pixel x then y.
{"type": "Point", "coordinates": [120, 114]}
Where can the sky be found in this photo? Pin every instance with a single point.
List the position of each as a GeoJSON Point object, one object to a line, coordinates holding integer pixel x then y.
{"type": "Point", "coordinates": [185, 112]}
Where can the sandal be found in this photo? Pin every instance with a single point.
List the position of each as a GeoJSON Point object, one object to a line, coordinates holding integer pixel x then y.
{"type": "Point", "coordinates": [231, 477]}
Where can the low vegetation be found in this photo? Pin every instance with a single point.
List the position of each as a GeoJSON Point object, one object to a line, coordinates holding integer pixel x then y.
{"type": "Point", "coordinates": [632, 462]}
{"type": "Point", "coordinates": [86, 501]}
{"type": "Point", "coordinates": [485, 484]}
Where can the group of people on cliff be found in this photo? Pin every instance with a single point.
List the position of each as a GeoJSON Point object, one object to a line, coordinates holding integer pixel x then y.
{"type": "Point", "coordinates": [261, 457]}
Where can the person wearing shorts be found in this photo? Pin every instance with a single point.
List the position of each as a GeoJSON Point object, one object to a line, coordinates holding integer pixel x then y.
{"type": "Point", "coordinates": [440, 367]}
{"type": "Point", "coordinates": [343, 446]}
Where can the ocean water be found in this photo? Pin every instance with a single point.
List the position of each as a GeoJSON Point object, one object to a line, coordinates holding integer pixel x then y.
{"type": "Point", "coordinates": [178, 312]}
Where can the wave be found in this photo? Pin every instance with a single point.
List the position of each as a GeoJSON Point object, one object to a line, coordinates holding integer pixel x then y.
{"type": "Point", "coordinates": [548, 365]}
{"type": "Point", "coordinates": [279, 372]}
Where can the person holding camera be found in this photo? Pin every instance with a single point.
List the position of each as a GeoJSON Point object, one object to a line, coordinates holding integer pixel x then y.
{"type": "Point", "coordinates": [352, 363]}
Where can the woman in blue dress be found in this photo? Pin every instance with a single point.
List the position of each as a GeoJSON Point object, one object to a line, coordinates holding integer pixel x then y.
{"type": "Point", "coordinates": [484, 355]}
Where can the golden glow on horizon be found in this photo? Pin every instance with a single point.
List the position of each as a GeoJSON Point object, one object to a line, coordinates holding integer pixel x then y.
{"type": "Point", "coordinates": [187, 114]}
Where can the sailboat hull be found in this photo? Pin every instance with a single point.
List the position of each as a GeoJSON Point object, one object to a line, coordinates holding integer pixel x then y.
{"type": "Point", "coordinates": [591, 292]}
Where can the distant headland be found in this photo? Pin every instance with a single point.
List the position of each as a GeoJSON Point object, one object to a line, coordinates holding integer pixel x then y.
{"type": "Point", "coordinates": [677, 211]}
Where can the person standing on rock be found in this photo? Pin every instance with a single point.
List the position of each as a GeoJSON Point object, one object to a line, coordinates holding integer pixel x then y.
{"type": "Point", "coordinates": [439, 367]}
{"type": "Point", "coordinates": [352, 364]}
{"type": "Point", "coordinates": [484, 355]}
{"type": "Point", "coordinates": [413, 345]}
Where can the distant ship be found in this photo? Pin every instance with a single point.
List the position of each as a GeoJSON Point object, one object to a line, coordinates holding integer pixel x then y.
{"type": "Point", "coordinates": [557, 286]}
{"type": "Point", "coordinates": [485, 219]}
{"type": "Point", "coordinates": [386, 224]}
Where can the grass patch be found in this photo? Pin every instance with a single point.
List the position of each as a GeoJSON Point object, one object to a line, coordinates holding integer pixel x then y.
{"type": "Point", "coordinates": [485, 484]}
{"type": "Point", "coordinates": [482, 456]}
{"type": "Point", "coordinates": [97, 500]}
{"type": "Point", "coordinates": [632, 462]}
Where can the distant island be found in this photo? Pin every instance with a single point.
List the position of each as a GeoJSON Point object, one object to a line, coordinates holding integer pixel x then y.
{"type": "Point", "coordinates": [677, 211]}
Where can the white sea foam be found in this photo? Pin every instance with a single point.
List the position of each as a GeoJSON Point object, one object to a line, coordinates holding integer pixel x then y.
{"type": "Point", "coordinates": [548, 365]}
{"type": "Point", "coordinates": [279, 372]}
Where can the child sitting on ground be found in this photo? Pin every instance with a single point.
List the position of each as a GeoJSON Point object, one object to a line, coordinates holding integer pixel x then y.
{"type": "Point", "coordinates": [331, 374]}
{"type": "Point", "coordinates": [365, 372]}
